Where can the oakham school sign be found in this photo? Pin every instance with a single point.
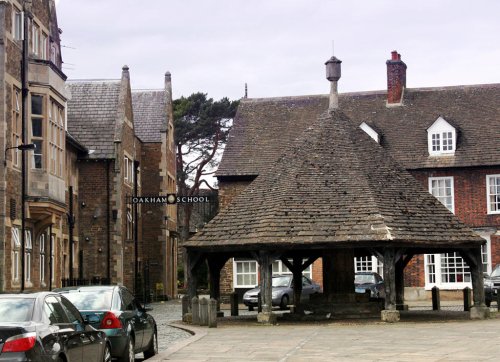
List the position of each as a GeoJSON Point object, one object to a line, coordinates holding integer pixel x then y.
{"type": "Point", "coordinates": [167, 199]}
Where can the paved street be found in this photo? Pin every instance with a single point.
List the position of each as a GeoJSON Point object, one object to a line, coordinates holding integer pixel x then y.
{"type": "Point", "coordinates": [331, 341]}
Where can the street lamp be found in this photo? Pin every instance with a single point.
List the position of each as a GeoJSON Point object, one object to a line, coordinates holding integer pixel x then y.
{"type": "Point", "coordinates": [26, 147]}
{"type": "Point", "coordinates": [22, 148]}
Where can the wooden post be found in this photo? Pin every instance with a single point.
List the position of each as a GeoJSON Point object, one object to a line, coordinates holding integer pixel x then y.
{"type": "Point", "coordinates": [203, 312]}
{"type": "Point", "coordinates": [390, 278]}
{"type": "Point", "coordinates": [185, 305]}
{"type": "Point", "coordinates": [266, 277]}
{"type": "Point", "coordinates": [436, 299]}
{"type": "Point", "coordinates": [194, 259]}
{"type": "Point", "coordinates": [195, 310]}
{"type": "Point", "coordinates": [215, 265]}
{"type": "Point", "coordinates": [212, 313]}
{"type": "Point", "coordinates": [467, 299]}
{"type": "Point", "coordinates": [400, 281]}
{"type": "Point", "coordinates": [338, 274]}
{"type": "Point", "coordinates": [233, 298]}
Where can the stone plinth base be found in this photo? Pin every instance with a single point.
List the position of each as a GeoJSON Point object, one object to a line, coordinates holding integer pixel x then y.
{"type": "Point", "coordinates": [390, 316]}
{"type": "Point", "coordinates": [187, 318]}
{"type": "Point", "coordinates": [267, 318]}
{"type": "Point", "coordinates": [479, 312]}
{"type": "Point", "coordinates": [402, 306]}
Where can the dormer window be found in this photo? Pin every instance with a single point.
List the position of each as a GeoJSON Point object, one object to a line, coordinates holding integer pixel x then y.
{"type": "Point", "coordinates": [442, 138]}
{"type": "Point", "coordinates": [370, 132]}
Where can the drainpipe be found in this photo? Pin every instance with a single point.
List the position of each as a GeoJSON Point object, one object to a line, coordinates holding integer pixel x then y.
{"type": "Point", "coordinates": [136, 228]}
{"type": "Point", "coordinates": [50, 257]}
{"type": "Point", "coordinates": [24, 136]}
{"type": "Point", "coordinates": [71, 224]}
{"type": "Point", "coordinates": [108, 222]}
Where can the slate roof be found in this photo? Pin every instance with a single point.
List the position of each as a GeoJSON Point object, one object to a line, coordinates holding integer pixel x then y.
{"type": "Point", "coordinates": [264, 127]}
{"type": "Point", "coordinates": [150, 117]}
{"type": "Point", "coordinates": [334, 186]}
{"type": "Point", "coordinates": [92, 114]}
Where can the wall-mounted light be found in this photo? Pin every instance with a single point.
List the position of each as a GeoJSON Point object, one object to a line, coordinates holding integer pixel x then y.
{"type": "Point", "coordinates": [83, 204]}
{"type": "Point", "coordinates": [87, 238]}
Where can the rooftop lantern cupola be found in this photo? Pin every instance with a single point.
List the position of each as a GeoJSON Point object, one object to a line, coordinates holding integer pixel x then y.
{"type": "Point", "coordinates": [333, 75]}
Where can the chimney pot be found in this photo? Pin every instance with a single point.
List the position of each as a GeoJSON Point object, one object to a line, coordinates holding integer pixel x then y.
{"type": "Point", "coordinates": [394, 55]}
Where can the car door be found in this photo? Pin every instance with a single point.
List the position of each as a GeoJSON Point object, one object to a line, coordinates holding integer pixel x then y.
{"type": "Point", "coordinates": [91, 342]}
{"type": "Point", "coordinates": [54, 314]}
{"type": "Point", "coordinates": [132, 317]}
{"type": "Point", "coordinates": [307, 288]}
{"type": "Point", "coordinates": [147, 324]}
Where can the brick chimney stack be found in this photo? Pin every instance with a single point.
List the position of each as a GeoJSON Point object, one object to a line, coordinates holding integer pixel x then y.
{"type": "Point", "coordinates": [396, 79]}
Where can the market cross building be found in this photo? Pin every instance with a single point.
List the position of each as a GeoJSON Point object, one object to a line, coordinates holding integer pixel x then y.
{"type": "Point", "coordinates": [333, 193]}
{"type": "Point", "coordinates": [446, 137]}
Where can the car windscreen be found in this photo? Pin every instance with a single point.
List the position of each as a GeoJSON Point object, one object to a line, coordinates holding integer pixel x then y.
{"type": "Point", "coordinates": [364, 279]}
{"type": "Point", "coordinates": [91, 299]}
{"type": "Point", "coordinates": [16, 309]}
{"type": "Point", "coordinates": [496, 272]}
{"type": "Point", "coordinates": [281, 281]}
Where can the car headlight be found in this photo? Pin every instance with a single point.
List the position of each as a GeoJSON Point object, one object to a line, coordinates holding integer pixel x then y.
{"type": "Point", "coordinates": [488, 283]}
{"type": "Point", "coordinates": [276, 293]}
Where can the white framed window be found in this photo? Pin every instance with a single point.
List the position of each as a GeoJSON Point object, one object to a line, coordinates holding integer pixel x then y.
{"type": "Point", "coordinates": [446, 271]}
{"type": "Point", "coordinates": [493, 194]}
{"type": "Point", "coordinates": [280, 268]}
{"type": "Point", "coordinates": [130, 224]}
{"type": "Point", "coordinates": [17, 24]}
{"type": "Point", "coordinates": [442, 189]}
{"type": "Point", "coordinates": [42, 258]}
{"type": "Point", "coordinates": [430, 269]}
{"type": "Point", "coordinates": [245, 272]}
{"type": "Point", "coordinates": [35, 38]}
{"type": "Point", "coordinates": [52, 254]}
{"type": "Point", "coordinates": [128, 169]}
{"type": "Point", "coordinates": [368, 263]}
{"type": "Point", "coordinates": [43, 46]}
{"type": "Point", "coordinates": [16, 126]}
{"type": "Point", "coordinates": [27, 255]}
{"type": "Point", "coordinates": [16, 245]}
{"type": "Point", "coordinates": [441, 138]}
{"type": "Point", "coordinates": [37, 129]}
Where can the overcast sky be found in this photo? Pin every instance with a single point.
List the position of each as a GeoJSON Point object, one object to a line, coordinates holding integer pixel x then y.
{"type": "Point", "coordinates": [279, 47]}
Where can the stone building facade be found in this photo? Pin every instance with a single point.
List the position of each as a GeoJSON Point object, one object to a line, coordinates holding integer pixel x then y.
{"type": "Point", "coordinates": [446, 137]}
{"type": "Point", "coordinates": [33, 106]}
{"type": "Point", "coordinates": [79, 222]}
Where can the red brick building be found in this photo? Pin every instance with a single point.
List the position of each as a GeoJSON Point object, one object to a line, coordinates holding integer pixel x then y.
{"type": "Point", "coordinates": [446, 137]}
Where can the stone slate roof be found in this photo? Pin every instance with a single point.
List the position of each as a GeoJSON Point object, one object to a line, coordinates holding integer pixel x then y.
{"type": "Point", "coordinates": [334, 186]}
{"type": "Point", "coordinates": [264, 127]}
{"type": "Point", "coordinates": [92, 114]}
{"type": "Point", "coordinates": [150, 117]}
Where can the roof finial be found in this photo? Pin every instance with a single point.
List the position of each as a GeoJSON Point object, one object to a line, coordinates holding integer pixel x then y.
{"type": "Point", "coordinates": [246, 91]}
{"type": "Point", "coordinates": [333, 75]}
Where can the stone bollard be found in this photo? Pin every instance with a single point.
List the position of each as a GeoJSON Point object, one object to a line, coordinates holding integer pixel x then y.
{"type": "Point", "coordinates": [203, 312]}
{"type": "Point", "coordinates": [195, 310]}
{"type": "Point", "coordinates": [467, 299]}
{"type": "Point", "coordinates": [498, 300]}
{"type": "Point", "coordinates": [436, 299]}
{"type": "Point", "coordinates": [259, 303]}
{"type": "Point", "coordinates": [233, 298]}
{"type": "Point", "coordinates": [185, 305]}
{"type": "Point", "coordinates": [212, 313]}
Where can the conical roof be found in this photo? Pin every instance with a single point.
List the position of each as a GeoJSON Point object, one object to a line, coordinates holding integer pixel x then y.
{"type": "Point", "coordinates": [335, 186]}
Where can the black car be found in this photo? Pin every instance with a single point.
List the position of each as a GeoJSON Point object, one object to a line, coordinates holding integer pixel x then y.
{"type": "Point", "coordinates": [115, 311]}
{"type": "Point", "coordinates": [492, 285]}
{"type": "Point", "coordinates": [370, 281]}
{"type": "Point", "coordinates": [47, 327]}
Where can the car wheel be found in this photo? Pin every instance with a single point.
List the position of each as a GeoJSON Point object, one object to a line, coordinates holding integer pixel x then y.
{"type": "Point", "coordinates": [284, 302]}
{"type": "Point", "coordinates": [152, 347]}
{"type": "Point", "coordinates": [487, 302]}
{"type": "Point", "coordinates": [129, 353]}
{"type": "Point", "coordinates": [107, 354]}
{"type": "Point", "coordinates": [250, 308]}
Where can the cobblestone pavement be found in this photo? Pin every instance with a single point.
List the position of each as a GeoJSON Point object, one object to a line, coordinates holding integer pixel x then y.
{"type": "Point", "coordinates": [165, 313]}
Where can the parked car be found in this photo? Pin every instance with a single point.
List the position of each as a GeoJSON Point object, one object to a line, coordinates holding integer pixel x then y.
{"type": "Point", "coordinates": [114, 310]}
{"type": "Point", "coordinates": [492, 285]}
{"type": "Point", "coordinates": [371, 281]}
{"type": "Point", "coordinates": [282, 291]}
{"type": "Point", "coordinates": [47, 327]}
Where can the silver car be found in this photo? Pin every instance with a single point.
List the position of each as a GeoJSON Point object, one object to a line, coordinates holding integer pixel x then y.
{"type": "Point", "coordinates": [282, 291]}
